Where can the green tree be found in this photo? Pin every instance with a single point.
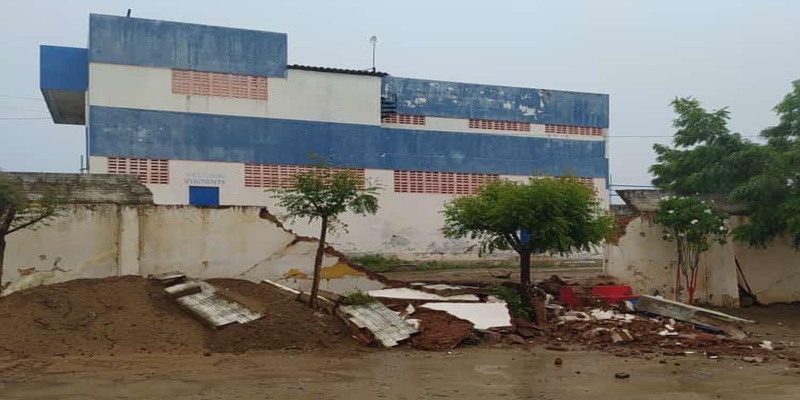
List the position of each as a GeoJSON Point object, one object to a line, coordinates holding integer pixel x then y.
{"type": "Point", "coordinates": [19, 211]}
{"type": "Point", "coordinates": [558, 216]}
{"type": "Point", "coordinates": [325, 193]}
{"type": "Point", "coordinates": [762, 178]}
{"type": "Point", "coordinates": [772, 197]}
{"type": "Point", "coordinates": [706, 157]}
{"type": "Point", "coordinates": [693, 225]}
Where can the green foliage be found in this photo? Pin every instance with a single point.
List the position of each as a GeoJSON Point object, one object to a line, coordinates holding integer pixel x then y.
{"type": "Point", "coordinates": [764, 178]}
{"type": "Point", "coordinates": [691, 221]}
{"type": "Point", "coordinates": [516, 305]}
{"type": "Point", "coordinates": [327, 193]}
{"type": "Point", "coordinates": [378, 262]}
{"type": "Point", "coordinates": [356, 298]}
{"type": "Point", "coordinates": [382, 264]}
{"type": "Point", "coordinates": [694, 226]}
{"type": "Point", "coordinates": [562, 216]}
{"type": "Point", "coordinates": [707, 157]}
{"type": "Point", "coordinates": [772, 197]}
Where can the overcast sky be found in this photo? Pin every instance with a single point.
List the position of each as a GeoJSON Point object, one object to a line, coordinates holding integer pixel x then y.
{"type": "Point", "coordinates": [737, 53]}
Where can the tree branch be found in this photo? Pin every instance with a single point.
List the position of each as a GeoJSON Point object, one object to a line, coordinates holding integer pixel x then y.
{"type": "Point", "coordinates": [513, 241]}
{"type": "Point", "coordinates": [29, 223]}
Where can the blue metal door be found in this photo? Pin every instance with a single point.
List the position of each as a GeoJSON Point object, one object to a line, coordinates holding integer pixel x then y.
{"type": "Point", "coordinates": [203, 196]}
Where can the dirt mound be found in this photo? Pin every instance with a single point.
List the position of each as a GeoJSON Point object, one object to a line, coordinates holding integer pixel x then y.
{"type": "Point", "coordinates": [440, 330]}
{"type": "Point", "coordinates": [123, 315]}
{"type": "Point", "coordinates": [287, 323]}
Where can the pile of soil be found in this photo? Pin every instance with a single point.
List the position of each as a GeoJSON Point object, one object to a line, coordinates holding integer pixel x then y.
{"type": "Point", "coordinates": [439, 330]}
{"type": "Point", "coordinates": [287, 323]}
{"type": "Point", "coordinates": [130, 314]}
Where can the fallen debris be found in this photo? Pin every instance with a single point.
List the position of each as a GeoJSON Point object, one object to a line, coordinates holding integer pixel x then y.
{"type": "Point", "coordinates": [440, 331]}
{"type": "Point", "coordinates": [412, 294]}
{"type": "Point", "coordinates": [483, 315]}
{"type": "Point", "coordinates": [753, 359]}
{"type": "Point", "coordinates": [385, 325]}
{"type": "Point", "coordinates": [622, 375]}
{"type": "Point", "coordinates": [684, 312]}
{"type": "Point", "coordinates": [200, 298]}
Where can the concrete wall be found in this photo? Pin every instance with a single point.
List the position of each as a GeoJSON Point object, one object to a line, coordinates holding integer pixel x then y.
{"type": "Point", "coordinates": [137, 41]}
{"type": "Point", "coordinates": [109, 227]}
{"type": "Point", "coordinates": [406, 225]}
{"type": "Point", "coordinates": [95, 241]}
{"type": "Point", "coordinates": [641, 258]}
{"type": "Point", "coordinates": [302, 95]}
{"type": "Point", "coordinates": [470, 100]}
{"type": "Point", "coordinates": [772, 273]}
{"type": "Point", "coordinates": [80, 244]}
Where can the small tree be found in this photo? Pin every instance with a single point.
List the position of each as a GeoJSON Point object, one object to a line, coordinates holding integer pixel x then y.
{"type": "Point", "coordinates": [694, 226]}
{"type": "Point", "coordinates": [324, 194]}
{"type": "Point", "coordinates": [557, 216]}
{"type": "Point", "coordinates": [19, 211]}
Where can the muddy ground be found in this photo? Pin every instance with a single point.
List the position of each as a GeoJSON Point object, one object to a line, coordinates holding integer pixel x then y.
{"type": "Point", "coordinates": [121, 338]}
{"type": "Point", "coordinates": [469, 373]}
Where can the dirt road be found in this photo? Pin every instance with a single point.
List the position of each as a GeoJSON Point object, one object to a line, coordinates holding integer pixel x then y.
{"type": "Point", "coordinates": [469, 373]}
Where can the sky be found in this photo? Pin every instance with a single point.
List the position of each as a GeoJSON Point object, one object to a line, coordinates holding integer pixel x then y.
{"type": "Point", "coordinates": [740, 54]}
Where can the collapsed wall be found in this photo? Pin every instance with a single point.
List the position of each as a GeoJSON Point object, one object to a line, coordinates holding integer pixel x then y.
{"type": "Point", "coordinates": [109, 227]}
{"type": "Point", "coordinates": [640, 257]}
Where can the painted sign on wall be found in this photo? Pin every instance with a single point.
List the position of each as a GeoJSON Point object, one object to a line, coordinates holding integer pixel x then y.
{"type": "Point", "coordinates": [204, 179]}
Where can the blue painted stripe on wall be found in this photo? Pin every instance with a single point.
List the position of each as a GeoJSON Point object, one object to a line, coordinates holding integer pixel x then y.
{"type": "Point", "coordinates": [204, 137]}
{"type": "Point", "coordinates": [63, 68]}
{"type": "Point", "coordinates": [163, 44]}
{"type": "Point", "coordinates": [467, 100]}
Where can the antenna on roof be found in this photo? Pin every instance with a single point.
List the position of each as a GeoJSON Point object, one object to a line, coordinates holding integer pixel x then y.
{"type": "Point", "coordinates": [374, 41]}
{"type": "Point", "coordinates": [129, 13]}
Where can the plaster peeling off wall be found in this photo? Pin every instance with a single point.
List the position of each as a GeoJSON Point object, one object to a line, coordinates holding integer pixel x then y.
{"type": "Point", "coordinates": [81, 243]}
{"type": "Point", "coordinates": [468, 100]}
{"type": "Point", "coordinates": [238, 242]}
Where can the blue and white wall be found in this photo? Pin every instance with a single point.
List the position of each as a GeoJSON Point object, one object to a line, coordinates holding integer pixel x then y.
{"type": "Point", "coordinates": [134, 111]}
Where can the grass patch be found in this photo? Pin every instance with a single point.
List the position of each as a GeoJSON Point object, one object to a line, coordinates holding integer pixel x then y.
{"type": "Point", "coordinates": [379, 263]}
{"type": "Point", "coordinates": [356, 298]}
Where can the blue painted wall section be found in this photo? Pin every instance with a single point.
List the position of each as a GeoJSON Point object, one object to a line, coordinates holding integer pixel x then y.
{"type": "Point", "coordinates": [204, 137]}
{"type": "Point", "coordinates": [63, 68]}
{"type": "Point", "coordinates": [466, 100]}
{"type": "Point", "coordinates": [150, 43]}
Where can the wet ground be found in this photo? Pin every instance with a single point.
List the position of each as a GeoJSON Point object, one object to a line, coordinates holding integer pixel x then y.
{"type": "Point", "coordinates": [468, 373]}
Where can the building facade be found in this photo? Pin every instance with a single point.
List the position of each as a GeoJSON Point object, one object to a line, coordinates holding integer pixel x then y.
{"type": "Point", "coordinates": [215, 116]}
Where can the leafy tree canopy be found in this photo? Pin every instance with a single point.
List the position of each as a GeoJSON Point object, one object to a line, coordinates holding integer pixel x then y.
{"type": "Point", "coordinates": [693, 225]}
{"type": "Point", "coordinates": [764, 178]}
{"type": "Point", "coordinates": [558, 216]}
{"type": "Point", "coordinates": [324, 193]}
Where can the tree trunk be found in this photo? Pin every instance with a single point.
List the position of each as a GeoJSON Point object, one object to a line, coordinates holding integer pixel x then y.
{"type": "Point", "coordinates": [534, 298]}
{"type": "Point", "coordinates": [318, 263]}
{"type": "Point", "coordinates": [525, 270]}
{"type": "Point", "coordinates": [2, 257]}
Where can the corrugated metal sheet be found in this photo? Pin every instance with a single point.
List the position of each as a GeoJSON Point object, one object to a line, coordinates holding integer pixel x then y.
{"type": "Point", "coordinates": [215, 310]}
{"type": "Point", "coordinates": [386, 325]}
